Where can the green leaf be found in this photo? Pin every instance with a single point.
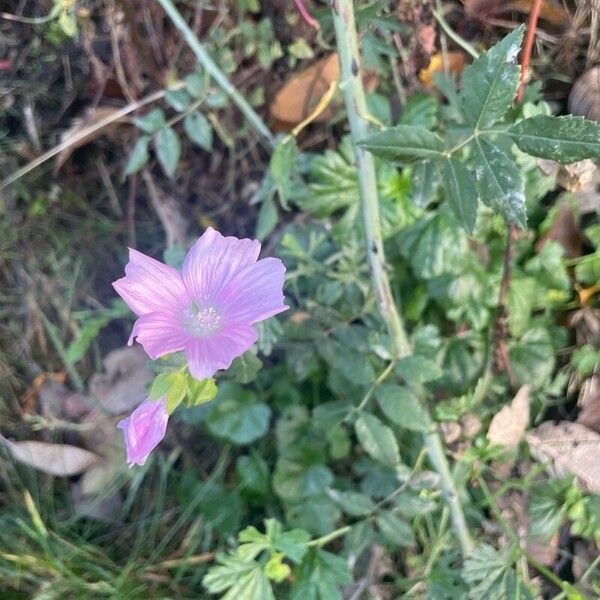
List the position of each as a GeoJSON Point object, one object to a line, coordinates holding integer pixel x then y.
{"type": "Point", "coordinates": [320, 577]}
{"type": "Point", "coordinates": [417, 369]}
{"type": "Point", "coordinates": [402, 407]}
{"type": "Point", "coordinates": [587, 270]}
{"type": "Point", "coordinates": [253, 474]}
{"type": "Point", "coordinates": [194, 83]}
{"type": "Point", "coordinates": [434, 245]}
{"type": "Point", "coordinates": [352, 364]}
{"type": "Point", "coordinates": [425, 178]}
{"type": "Point", "coordinates": [563, 139]}
{"type": "Point", "coordinates": [489, 84]}
{"type": "Point", "coordinates": [585, 359]}
{"type": "Point", "coordinates": [293, 544]}
{"type": "Point", "coordinates": [267, 218]}
{"type": "Point", "coordinates": [377, 439]}
{"type": "Point", "coordinates": [354, 504]}
{"type": "Point", "coordinates": [499, 181]}
{"type": "Point", "coordinates": [461, 192]}
{"type": "Point", "coordinates": [199, 130]}
{"type": "Point", "coordinates": [405, 143]}
{"type": "Point", "coordinates": [178, 99]}
{"type": "Point", "coordinates": [420, 111]}
{"type": "Point", "coordinates": [139, 155]}
{"type": "Point", "coordinates": [395, 530]}
{"type": "Point", "coordinates": [244, 580]}
{"type": "Point", "coordinates": [301, 476]}
{"type": "Point", "coordinates": [532, 358]}
{"type": "Point", "coordinates": [236, 416]}
{"type": "Point", "coordinates": [283, 168]}
{"type": "Point", "coordinates": [151, 122]}
{"type": "Point", "coordinates": [245, 368]}
{"type": "Point", "coordinates": [547, 507]}
{"type": "Point", "coordinates": [172, 385]}
{"type": "Point", "coordinates": [200, 392]}
{"type": "Point", "coordinates": [168, 150]}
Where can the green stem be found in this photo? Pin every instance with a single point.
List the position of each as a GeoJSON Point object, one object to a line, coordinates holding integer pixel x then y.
{"type": "Point", "coordinates": [215, 72]}
{"type": "Point", "coordinates": [330, 536]}
{"type": "Point", "coordinates": [354, 97]}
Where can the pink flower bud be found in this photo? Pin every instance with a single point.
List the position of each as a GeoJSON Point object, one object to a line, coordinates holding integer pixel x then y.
{"type": "Point", "coordinates": [144, 429]}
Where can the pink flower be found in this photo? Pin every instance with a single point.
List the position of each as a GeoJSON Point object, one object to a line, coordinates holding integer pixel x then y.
{"type": "Point", "coordinates": [208, 309]}
{"type": "Point", "coordinates": [144, 429]}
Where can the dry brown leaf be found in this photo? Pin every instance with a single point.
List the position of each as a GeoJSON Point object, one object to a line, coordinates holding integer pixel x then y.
{"type": "Point", "coordinates": [589, 401]}
{"type": "Point", "coordinates": [456, 63]}
{"type": "Point", "coordinates": [123, 386]}
{"type": "Point", "coordinates": [303, 90]}
{"type": "Point", "coordinates": [550, 11]}
{"type": "Point", "coordinates": [507, 428]}
{"type": "Point", "coordinates": [93, 117]}
{"type": "Point", "coordinates": [584, 98]}
{"type": "Point", "coordinates": [577, 176]}
{"type": "Point", "coordinates": [572, 447]}
{"type": "Point", "coordinates": [60, 460]}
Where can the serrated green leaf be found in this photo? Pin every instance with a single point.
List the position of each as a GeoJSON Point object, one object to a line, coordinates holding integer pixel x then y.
{"type": "Point", "coordinates": [139, 156]}
{"type": "Point", "coordinates": [236, 415]}
{"type": "Point", "coordinates": [500, 184]}
{"type": "Point", "coordinates": [199, 130]}
{"type": "Point", "coordinates": [151, 122]}
{"type": "Point", "coordinates": [354, 504]}
{"type": "Point", "coordinates": [244, 580]}
{"type": "Point", "coordinates": [420, 110]}
{"type": "Point", "coordinates": [395, 530]}
{"type": "Point", "coordinates": [461, 192]}
{"type": "Point", "coordinates": [168, 150]}
{"type": "Point", "coordinates": [200, 392]}
{"type": "Point", "coordinates": [178, 99]}
{"type": "Point", "coordinates": [532, 358]}
{"type": "Point", "coordinates": [351, 364]}
{"type": "Point", "coordinates": [489, 84]}
{"type": "Point", "coordinates": [402, 407]}
{"type": "Point", "coordinates": [377, 439]}
{"type": "Point", "coordinates": [425, 178]}
{"type": "Point", "coordinates": [301, 476]}
{"type": "Point", "coordinates": [416, 369]}
{"type": "Point", "coordinates": [320, 577]}
{"type": "Point", "coordinates": [283, 167]}
{"type": "Point", "coordinates": [563, 139]}
{"type": "Point", "coordinates": [405, 143]}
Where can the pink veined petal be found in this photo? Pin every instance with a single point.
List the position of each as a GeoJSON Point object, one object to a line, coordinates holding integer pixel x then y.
{"type": "Point", "coordinates": [255, 294]}
{"type": "Point", "coordinates": [213, 261]}
{"type": "Point", "coordinates": [144, 429]}
{"type": "Point", "coordinates": [159, 333]}
{"type": "Point", "coordinates": [150, 286]}
{"type": "Point", "coordinates": [206, 355]}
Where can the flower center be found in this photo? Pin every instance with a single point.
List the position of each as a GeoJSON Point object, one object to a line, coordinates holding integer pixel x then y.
{"type": "Point", "coordinates": [203, 320]}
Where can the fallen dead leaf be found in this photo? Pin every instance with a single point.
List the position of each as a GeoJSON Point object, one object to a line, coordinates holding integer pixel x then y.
{"type": "Point", "coordinates": [572, 447]}
{"type": "Point", "coordinates": [60, 460]}
{"type": "Point", "coordinates": [303, 90]}
{"type": "Point", "coordinates": [123, 385]}
{"type": "Point", "coordinates": [589, 402]}
{"type": "Point", "coordinates": [91, 118]}
{"type": "Point", "coordinates": [456, 63]}
{"type": "Point", "coordinates": [508, 426]}
{"type": "Point", "coordinates": [577, 176]}
{"type": "Point", "coordinates": [584, 98]}
{"type": "Point", "coordinates": [485, 10]}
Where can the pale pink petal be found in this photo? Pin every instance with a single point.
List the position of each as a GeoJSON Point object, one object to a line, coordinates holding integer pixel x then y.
{"type": "Point", "coordinates": [255, 294]}
{"type": "Point", "coordinates": [212, 262]}
{"type": "Point", "coordinates": [144, 429]}
{"type": "Point", "coordinates": [206, 355]}
{"type": "Point", "coordinates": [159, 333]}
{"type": "Point", "coordinates": [150, 286]}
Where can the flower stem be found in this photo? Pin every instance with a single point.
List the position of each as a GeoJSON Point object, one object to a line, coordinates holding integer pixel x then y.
{"type": "Point", "coordinates": [215, 72]}
{"type": "Point", "coordinates": [356, 108]}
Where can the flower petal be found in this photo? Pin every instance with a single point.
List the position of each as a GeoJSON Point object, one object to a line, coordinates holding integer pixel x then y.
{"type": "Point", "coordinates": [144, 429]}
{"type": "Point", "coordinates": [159, 333]}
{"type": "Point", "coordinates": [255, 294]}
{"type": "Point", "coordinates": [206, 355]}
{"type": "Point", "coordinates": [149, 285]}
{"type": "Point", "coordinates": [213, 261]}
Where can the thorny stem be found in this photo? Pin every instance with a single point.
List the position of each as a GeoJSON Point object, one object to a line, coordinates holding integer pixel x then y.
{"type": "Point", "coordinates": [500, 354]}
{"type": "Point", "coordinates": [215, 72]}
{"type": "Point", "coordinates": [354, 97]}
